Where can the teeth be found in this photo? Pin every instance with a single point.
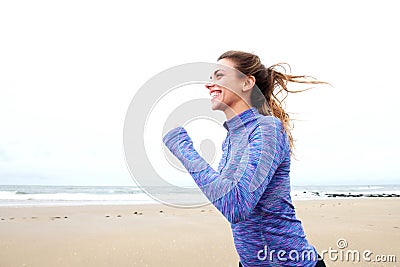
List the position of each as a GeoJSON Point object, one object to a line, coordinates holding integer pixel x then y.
{"type": "Point", "coordinates": [215, 93]}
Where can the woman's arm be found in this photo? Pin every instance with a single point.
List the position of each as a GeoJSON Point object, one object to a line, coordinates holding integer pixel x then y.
{"type": "Point", "coordinates": [238, 188]}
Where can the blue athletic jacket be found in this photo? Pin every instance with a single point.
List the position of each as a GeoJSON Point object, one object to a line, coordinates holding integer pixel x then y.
{"type": "Point", "coordinates": [251, 188]}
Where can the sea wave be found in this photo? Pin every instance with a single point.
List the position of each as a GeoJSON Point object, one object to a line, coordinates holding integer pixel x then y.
{"type": "Point", "coordinates": [72, 195]}
{"type": "Point", "coordinates": [6, 195]}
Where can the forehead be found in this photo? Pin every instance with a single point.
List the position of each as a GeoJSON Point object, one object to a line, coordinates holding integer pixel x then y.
{"type": "Point", "coordinates": [225, 65]}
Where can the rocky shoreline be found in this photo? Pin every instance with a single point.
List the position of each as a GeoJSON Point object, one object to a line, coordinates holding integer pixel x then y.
{"type": "Point", "coordinates": [357, 195]}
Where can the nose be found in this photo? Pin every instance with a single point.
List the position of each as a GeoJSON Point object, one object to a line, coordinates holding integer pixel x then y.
{"type": "Point", "coordinates": [209, 85]}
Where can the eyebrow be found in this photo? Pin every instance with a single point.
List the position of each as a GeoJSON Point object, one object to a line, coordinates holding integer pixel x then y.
{"type": "Point", "coordinates": [215, 72]}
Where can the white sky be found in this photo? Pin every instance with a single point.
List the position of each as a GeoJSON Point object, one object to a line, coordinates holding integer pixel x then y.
{"type": "Point", "coordinates": [68, 71]}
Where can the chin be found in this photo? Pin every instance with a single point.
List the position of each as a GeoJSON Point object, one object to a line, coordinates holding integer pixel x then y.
{"type": "Point", "coordinates": [217, 105]}
{"type": "Point", "coordinates": [214, 107]}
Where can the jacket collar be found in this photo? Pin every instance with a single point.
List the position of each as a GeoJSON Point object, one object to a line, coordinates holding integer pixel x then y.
{"type": "Point", "coordinates": [241, 119]}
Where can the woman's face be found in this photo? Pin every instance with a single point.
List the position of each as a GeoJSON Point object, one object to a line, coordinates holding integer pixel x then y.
{"type": "Point", "coordinates": [225, 86]}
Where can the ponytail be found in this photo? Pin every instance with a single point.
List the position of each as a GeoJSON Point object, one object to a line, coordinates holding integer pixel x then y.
{"type": "Point", "coordinates": [272, 84]}
{"type": "Point", "coordinates": [277, 92]}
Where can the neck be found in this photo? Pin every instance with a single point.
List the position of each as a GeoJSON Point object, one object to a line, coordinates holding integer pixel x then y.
{"type": "Point", "coordinates": [235, 109]}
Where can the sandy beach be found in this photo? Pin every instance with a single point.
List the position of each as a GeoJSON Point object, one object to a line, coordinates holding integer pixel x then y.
{"type": "Point", "coordinates": [159, 235]}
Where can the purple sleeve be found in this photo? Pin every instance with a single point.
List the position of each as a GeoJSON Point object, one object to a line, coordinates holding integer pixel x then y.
{"type": "Point", "coordinates": [235, 190]}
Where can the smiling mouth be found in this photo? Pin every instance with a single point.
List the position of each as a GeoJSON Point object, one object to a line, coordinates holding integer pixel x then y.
{"type": "Point", "coordinates": [215, 93]}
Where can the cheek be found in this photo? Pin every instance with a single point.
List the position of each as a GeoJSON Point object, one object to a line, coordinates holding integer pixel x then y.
{"type": "Point", "coordinates": [230, 95]}
{"type": "Point", "coordinates": [230, 85]}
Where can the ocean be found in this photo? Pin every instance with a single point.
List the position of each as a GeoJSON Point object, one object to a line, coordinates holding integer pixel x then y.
{"type": "Point", "coordinates": [45, 195]}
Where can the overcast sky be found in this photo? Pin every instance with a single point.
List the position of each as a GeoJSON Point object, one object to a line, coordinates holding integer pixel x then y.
{"type": "Point", "coordinates": [69, 70]}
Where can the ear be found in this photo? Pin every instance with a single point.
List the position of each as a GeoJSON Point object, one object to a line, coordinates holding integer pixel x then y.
{"type": "Point", "coordinates": [249, 83]}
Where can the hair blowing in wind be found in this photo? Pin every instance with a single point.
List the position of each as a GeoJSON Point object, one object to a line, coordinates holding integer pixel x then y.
{"type": "Point", "coordinates": [273, 85]}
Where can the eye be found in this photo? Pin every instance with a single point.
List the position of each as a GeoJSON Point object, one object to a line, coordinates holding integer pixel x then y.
{"type": "Point", "coordinates": [218, 75]}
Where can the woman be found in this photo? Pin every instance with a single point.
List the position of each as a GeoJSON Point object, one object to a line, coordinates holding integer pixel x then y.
{"type": "Point", "coordinates": [251, 187]}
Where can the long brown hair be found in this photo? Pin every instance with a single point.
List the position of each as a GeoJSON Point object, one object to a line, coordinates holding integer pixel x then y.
{"type": "Point", "coordinates": [269, 100]}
